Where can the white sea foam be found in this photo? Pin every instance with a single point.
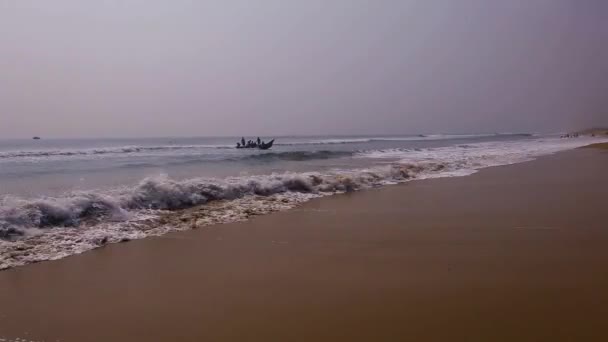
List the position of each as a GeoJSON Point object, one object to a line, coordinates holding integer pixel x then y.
{"type": "Point", "coordinates": [50, 228]}
{"type": "Point", "coordinates": [466, 159]}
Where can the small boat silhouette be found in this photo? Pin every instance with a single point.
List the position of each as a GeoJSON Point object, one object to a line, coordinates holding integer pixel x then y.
{"type": "Point", "coordinates": [260, 146]}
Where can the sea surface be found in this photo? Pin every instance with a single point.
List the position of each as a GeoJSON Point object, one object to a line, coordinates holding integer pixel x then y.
{"type": "Point", "coordinates": [63, 197]}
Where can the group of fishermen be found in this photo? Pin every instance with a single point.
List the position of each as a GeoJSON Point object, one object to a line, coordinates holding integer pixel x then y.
{"type": "Point", "coordinates": [250, 143]}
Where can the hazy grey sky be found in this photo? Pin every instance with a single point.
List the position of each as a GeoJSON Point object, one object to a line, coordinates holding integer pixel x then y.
{"type": "Point", "coordinates": [221, 67]}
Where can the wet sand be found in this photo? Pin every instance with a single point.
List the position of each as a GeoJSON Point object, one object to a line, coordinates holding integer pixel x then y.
{"type": "Point", "coordinates": [514, 253]}
{"type": "Point", "coordinates": [601, 146]}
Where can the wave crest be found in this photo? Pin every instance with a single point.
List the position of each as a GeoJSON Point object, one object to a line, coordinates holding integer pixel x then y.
{"type": "Point", "coordinates": [163, 193]}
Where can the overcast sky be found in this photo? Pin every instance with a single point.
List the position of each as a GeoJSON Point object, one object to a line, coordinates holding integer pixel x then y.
{"type": "Point", "coordinates": [74, 68]}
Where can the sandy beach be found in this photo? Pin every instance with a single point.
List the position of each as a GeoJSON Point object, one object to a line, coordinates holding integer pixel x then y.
{"type": "Point", "coordinates": [512, 253]}
{"type": "Point", "coordinates": [302, 171]}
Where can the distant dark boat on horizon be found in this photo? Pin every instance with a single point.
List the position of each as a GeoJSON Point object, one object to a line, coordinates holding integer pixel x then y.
{"type": "Point", "coordinates": [261, 146]}
{"type": "Point", "coordinates": [36, 138]}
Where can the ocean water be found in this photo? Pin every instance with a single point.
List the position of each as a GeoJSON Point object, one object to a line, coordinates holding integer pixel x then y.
{"type": "Point", "coordinates": [63, 197]}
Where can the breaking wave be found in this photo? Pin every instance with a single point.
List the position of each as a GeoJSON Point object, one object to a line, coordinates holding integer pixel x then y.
{"type": "Point", "coordinates": [161, 193]}
{"type": "Point", "coordinates": [50, 228]}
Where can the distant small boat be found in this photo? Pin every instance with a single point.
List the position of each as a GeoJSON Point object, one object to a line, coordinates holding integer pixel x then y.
{"type": "Point", "coordinates": [36, 138]}
{"type": "Point", "coordinates": [260, 146]}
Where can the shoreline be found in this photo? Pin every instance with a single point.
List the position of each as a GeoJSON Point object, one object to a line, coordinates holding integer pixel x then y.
{"type": "Point", "coordinates": [509, 253]}
{"type": "Point", "coordinates": [300, 188]}
{"type": "Point", "coordinates": [600, 146]}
